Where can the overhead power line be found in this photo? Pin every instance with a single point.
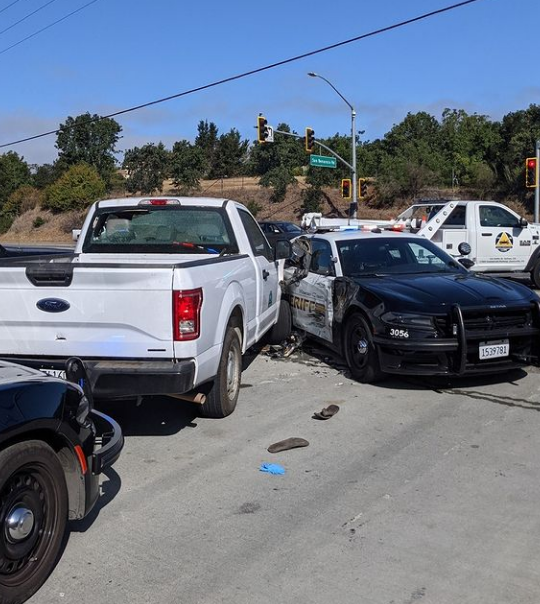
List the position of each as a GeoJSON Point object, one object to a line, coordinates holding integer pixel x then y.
{"type": "Point", "coordinates": [255, 71]}
{"type": "Point", "coordinates": [33, 35]}
{"type": "Point", "coordinates": [27, 16]}
{"type": "Point", "coordinates": [9, 6]}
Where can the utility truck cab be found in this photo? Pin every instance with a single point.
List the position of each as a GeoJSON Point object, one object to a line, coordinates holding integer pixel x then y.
{"type": "Point", "coordinates": [499, 239]}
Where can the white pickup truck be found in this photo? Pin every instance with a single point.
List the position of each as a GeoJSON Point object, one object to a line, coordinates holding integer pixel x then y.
{"type": "Point", "coordinates": [498, 240]}
{"type": "Point", "coordinates": [161, 296]}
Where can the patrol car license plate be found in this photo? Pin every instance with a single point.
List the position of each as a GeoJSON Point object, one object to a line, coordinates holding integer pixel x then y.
{"type": "Point", "coordinates": [57, 373]}
{"type": "Point", "coordinates": [494, 350]}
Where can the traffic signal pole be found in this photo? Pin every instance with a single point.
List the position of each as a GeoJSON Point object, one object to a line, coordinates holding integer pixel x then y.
{"type": "Point", "coordinates": [537, 189]}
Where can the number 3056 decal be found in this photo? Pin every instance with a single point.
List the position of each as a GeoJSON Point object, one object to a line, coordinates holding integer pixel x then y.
{"type": "Point", "coordinates": [399, 333]}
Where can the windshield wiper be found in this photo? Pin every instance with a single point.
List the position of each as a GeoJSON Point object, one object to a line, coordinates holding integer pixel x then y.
{"type": "Point", "coordinates": [196, 246]}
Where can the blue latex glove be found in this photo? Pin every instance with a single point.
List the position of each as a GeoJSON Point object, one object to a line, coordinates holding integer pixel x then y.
{"type": "Point", "coordinates": [272, 468]}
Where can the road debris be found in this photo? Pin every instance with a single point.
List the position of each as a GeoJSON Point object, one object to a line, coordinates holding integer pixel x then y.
{"type": "Point", "coordinates": [326, 413]}
{"type": "Point", "coordinates": [272, 468]}
{"type": "Point", "coordinates": [289, 443]}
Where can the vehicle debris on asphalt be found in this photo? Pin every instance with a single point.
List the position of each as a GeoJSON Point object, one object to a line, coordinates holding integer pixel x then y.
{"type": "Point", "coordinates": [326, 413]}
{"type": "Point", "coordinates": [289, 443]}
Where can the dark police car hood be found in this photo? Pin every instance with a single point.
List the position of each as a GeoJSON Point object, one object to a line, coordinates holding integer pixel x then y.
{"type": "Point", "coordinates": [436, 292]}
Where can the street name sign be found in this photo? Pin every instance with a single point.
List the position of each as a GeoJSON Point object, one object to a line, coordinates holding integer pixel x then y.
{"type": "Point", "coordinates": [322, 161]}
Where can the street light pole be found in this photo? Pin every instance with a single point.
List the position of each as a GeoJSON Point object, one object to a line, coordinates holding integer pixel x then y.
{"type": "Point", "coordinates": [354, 202]}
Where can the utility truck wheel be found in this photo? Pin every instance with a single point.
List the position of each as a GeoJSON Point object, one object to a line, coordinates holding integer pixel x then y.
{"type": "Point", "coordinates": [535, 274]}
{"type": "Point", "coordinates": [33, 517]}
{"type": "Point", "coordinates": [282, 329]}
{"type": "Point", "coordinates": [360, 351]}
{"type": "Point", "coordinates": [223, 394]}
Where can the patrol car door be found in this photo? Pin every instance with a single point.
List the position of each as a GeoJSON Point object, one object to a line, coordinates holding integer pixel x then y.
{"type": "Point", "coordinates": [311, 297]}
{"type": "Point", "coordinates": [501, 242]}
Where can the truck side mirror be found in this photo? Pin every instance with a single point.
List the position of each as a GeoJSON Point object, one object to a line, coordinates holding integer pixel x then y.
{"type": "Point", "coordinates": [466, 262]}
{"type": "Point", "coordinates": [464, 248]}
{"type": "Point", "coordinates": [282, 249]}
{"type": "Point", "coordinates": [523, 223]}
{"type": "Point", "coordinates": [75, 234]}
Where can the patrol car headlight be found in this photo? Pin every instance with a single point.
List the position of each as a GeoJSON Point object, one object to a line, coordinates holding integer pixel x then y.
{"type": "Point", "coordinates": [410, 320]}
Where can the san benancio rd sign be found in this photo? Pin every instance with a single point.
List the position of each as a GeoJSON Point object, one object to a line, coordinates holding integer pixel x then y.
{"type": "Point", "coordinates": [322, 161]}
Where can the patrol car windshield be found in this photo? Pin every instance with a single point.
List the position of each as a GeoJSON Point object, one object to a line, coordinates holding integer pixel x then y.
{"type": "Point", "coordinates": [393, 256]}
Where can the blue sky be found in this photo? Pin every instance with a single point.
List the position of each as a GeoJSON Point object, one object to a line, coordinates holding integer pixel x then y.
{"type": "Point", "coordinates": [119, 53]}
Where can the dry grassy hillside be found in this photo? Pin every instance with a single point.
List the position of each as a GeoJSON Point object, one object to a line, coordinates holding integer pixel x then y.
{"type": "Point", "coordinates": [57, 228]}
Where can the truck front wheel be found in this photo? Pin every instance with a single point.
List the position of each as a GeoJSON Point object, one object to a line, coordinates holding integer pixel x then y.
{"type": "Point", "coordinates": [223, 393]}
{"type": "Point", "coordinates": [535, 274]}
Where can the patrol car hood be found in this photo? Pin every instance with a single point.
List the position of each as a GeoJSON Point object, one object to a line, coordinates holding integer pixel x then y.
{"type": "Point", "coordinates": [435, 293]}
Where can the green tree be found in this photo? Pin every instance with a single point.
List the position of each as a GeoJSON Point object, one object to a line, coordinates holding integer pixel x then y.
{"type": "Point", "coordinates": [230, 155]}
{"type": "Point", "coordinates": [207, 140]}
{"type": "Point", "coordinates": [88, 139]}
{"type": "Point", "coordinates": [76, 189]}
{"type": "Point", "coordinates": [467, 142]}
{"type": "Point", "coordinates": [44, 175]}
{"type": "Point", "coordinates": [14, 172]}
{"type": "Point", "coordinates": [187, 165]}
{"type": "Point", "coordinates": [21, 200]}
{"type": "Point", "coordinates": [519, 132]}
{"type": "Point", "coordinates": [277, 162]}
{"type": "Point", "coordinates": [147, 167]}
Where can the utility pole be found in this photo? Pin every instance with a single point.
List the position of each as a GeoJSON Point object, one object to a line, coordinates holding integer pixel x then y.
{"type": "Point", "coordinates": [537, 188]}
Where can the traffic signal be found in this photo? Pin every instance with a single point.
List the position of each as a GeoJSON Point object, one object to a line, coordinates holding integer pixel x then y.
{"type": "Point", "coordinates": [531, 173]}
{"type": "Point", "coordinates": [262, 129]}
{"type": "Point", "coordinates": [310, 140]}
{"type": "Point", "coordinates": [362, 187]}
{"type": "Point", "coordinates": [346, 186]}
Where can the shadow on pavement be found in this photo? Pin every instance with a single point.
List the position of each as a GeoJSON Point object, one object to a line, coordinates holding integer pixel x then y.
{"type": "Point", "coordinates": [155, 416]}
{"type": "Point", "coordinates": [109, 489]}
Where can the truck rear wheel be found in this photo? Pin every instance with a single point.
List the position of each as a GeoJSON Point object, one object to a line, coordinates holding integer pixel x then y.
{"type": "Point", "coordinates": [33, 514]}
{"type": "Point", "coordinates": [223, 394]}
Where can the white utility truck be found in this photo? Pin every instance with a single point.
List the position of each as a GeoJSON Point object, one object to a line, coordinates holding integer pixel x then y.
{"type": "Point", "coordinates": [161, 296]}
{"type": "Point", "coordinates": [492, 235]}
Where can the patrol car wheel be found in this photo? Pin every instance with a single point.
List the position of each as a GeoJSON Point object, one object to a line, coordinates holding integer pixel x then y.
{"type": "Point", "coordinates": [360, 351]}
{"type": "Point", "coordinates": [33, 517]}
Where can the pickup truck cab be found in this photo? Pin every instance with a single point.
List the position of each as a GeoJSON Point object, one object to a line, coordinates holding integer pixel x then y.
{"type": "Point", "coordinates": [499, 240]}
{"type": "Point", "coordinates": [53, 448]}
{"type": "Point", "coordinates": [396, 303]}
{"type": "Point", "coordinates": [161, 296]}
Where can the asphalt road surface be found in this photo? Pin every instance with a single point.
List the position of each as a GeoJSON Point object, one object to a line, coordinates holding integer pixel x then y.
{"type": "Point", "coordinates": [413, 492]}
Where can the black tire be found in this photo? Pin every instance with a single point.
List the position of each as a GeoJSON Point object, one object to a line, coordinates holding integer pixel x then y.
{"type": "Point", "coordinates": [282, 329]}
{"type": "Point", "coordinates": [360, 351]}
{"type": "Point", "coordinates": [33, 488]}
{"type": "Point", "coordinates": [223, 392]}
{"type": "Point", "coordinates": [535, 274]}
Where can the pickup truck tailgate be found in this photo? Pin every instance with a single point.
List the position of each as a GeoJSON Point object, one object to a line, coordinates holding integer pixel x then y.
{"type": "Point", "coordinates": [102, 312]}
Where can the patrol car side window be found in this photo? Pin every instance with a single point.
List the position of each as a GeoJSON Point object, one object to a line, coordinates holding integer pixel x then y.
{"type": "Point", "coordinates": [492, 216]}
{"type": "Point", "coordinates": [257, 240]}
{"type": "Point", "coordinates": [321, 258]}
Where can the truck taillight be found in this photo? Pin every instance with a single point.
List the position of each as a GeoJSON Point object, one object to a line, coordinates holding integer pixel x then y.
{"type": "Point", "coordinates": [187, 314]}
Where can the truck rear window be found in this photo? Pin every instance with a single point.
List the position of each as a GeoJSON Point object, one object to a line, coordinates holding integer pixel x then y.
{"type": "Point", "coordinates": [160, 230]}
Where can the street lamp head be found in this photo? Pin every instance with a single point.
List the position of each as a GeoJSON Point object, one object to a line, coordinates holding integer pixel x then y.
{"type": "Point", "coordinates": [312, 74]}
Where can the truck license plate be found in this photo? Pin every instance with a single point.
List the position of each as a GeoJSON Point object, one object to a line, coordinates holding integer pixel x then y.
{"type": "Point", "coordinates": [494, 350]}
{"type": "Point", "coordinates": [57, 373]}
